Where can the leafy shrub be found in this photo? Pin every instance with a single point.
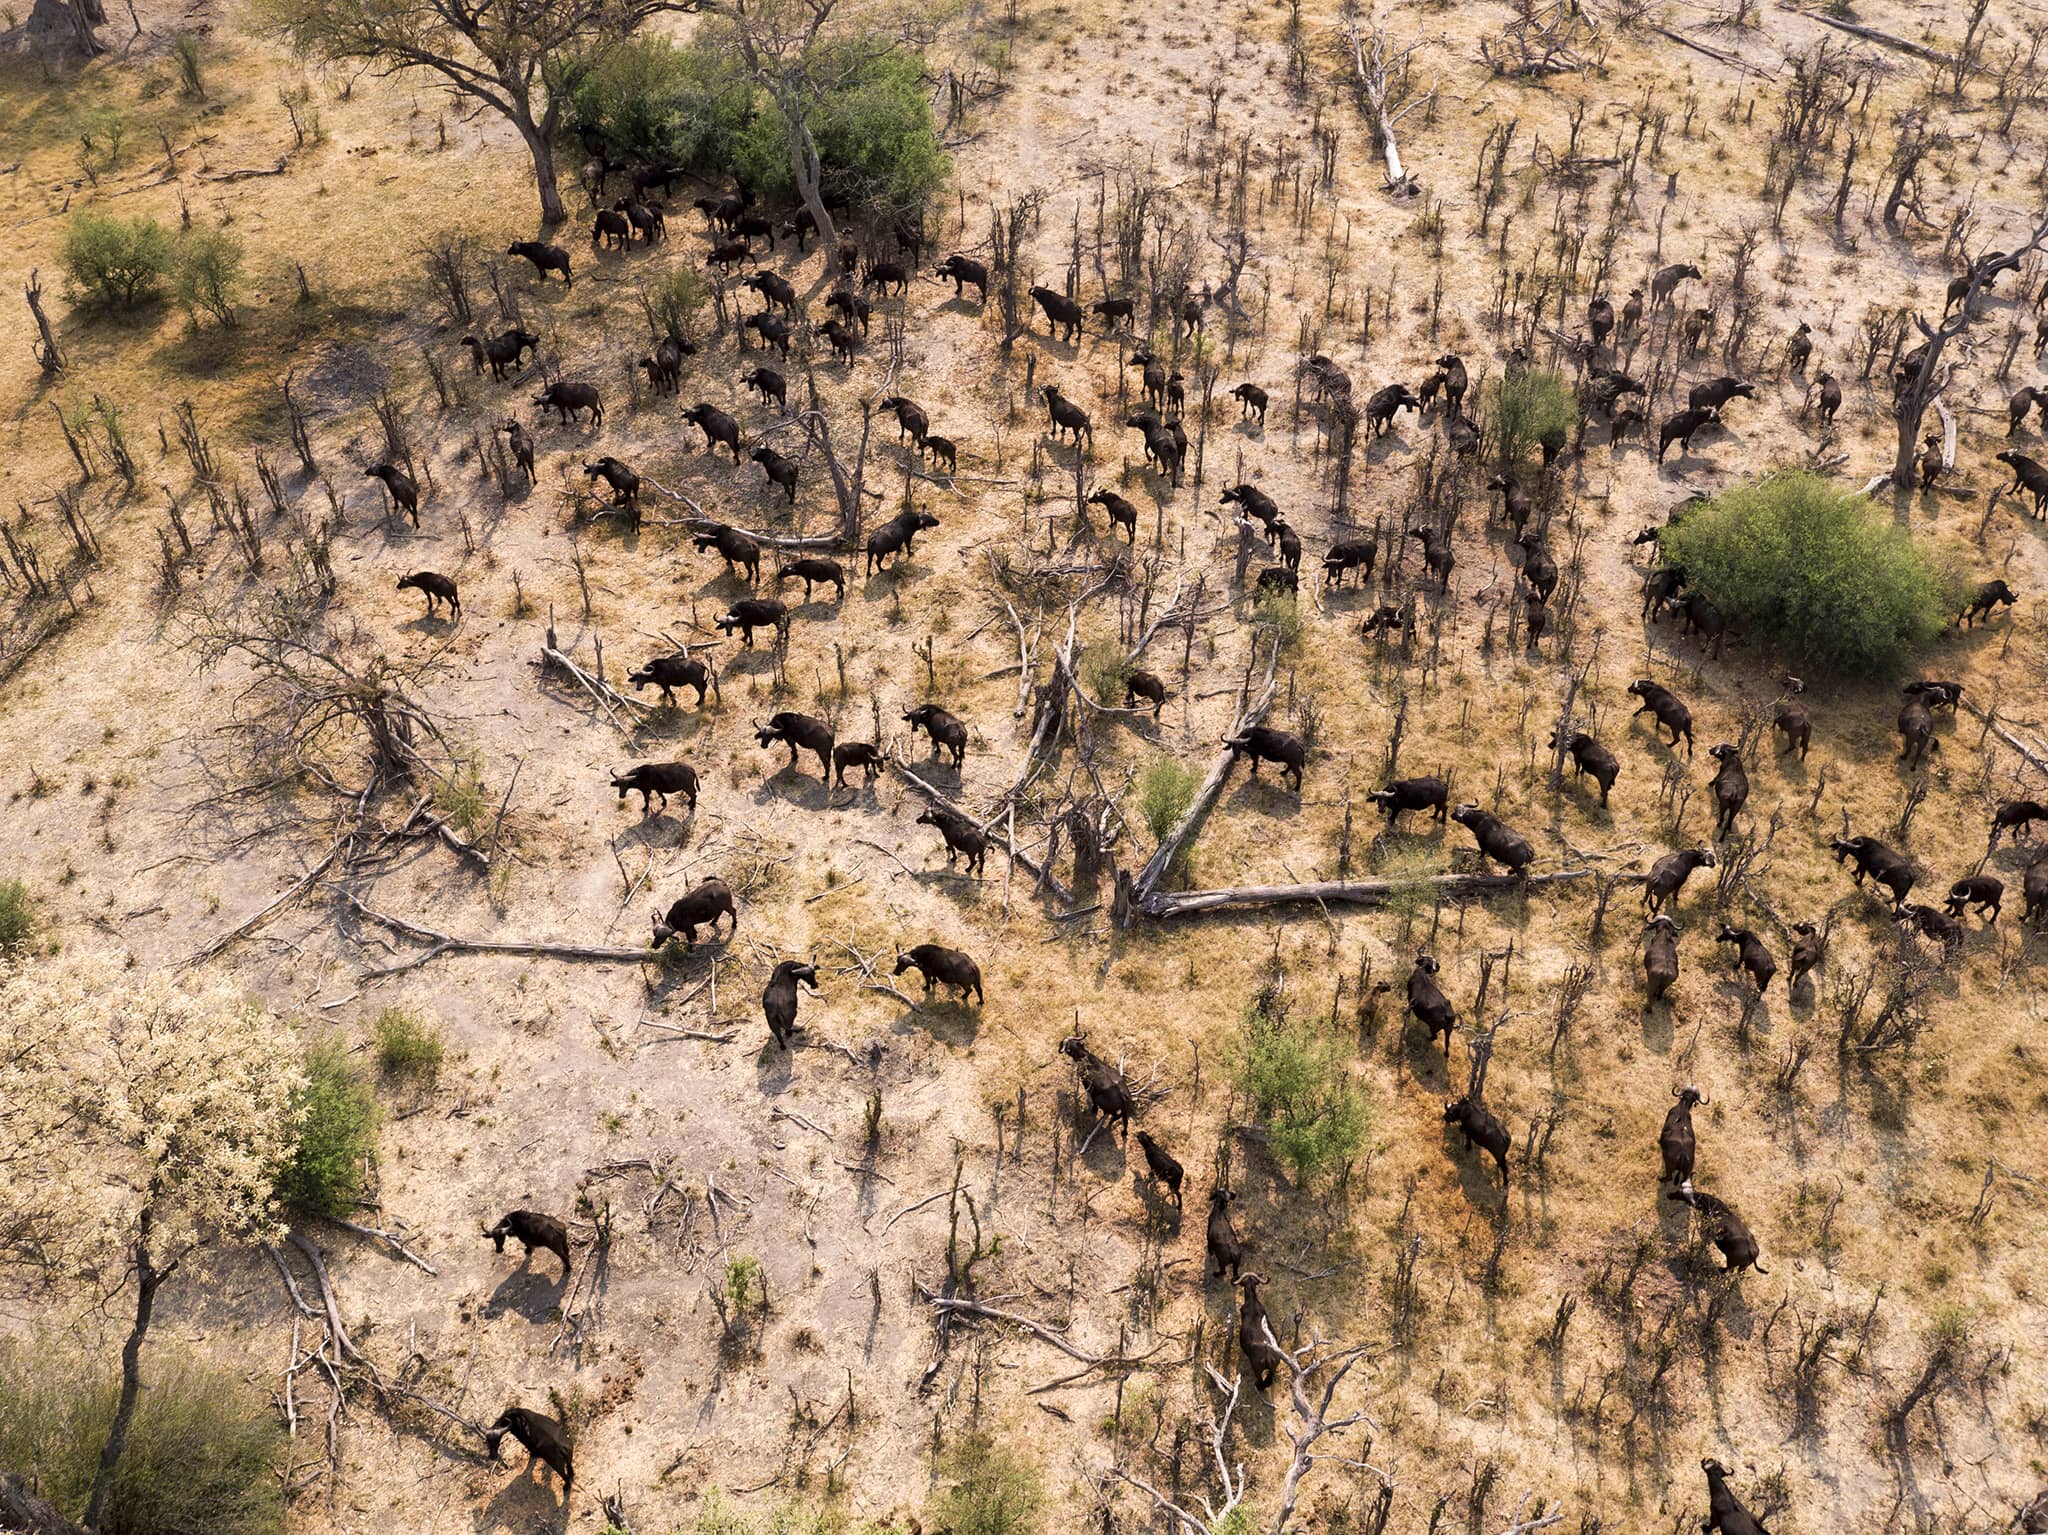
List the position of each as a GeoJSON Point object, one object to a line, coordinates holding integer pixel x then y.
{"type": "Point", "coordinates": [1810, 570]}
{"type": "Point", "coordinates": [1164, 794]}
{"type": "Point", "coordinates": [697, 106]}
{"type": "Point", "coordinates": [673, 300]}
{"type": "Point", "coordinates": [202, 1453]}
{"type": "Point", "coordinates": [209, 273]}
{"type": "Point", "coordinates": [1282, 614]}
{"type": "Point", "coordinates": [185, 52]}
{"type": "Point", "coordinates": [461, 799]}
{"type": "Point", "coordinates": [658, 102]}
{"type": "Point", "coordinates": [1106, 668]}
{"type": "Point", "coordinates": [337, 1120]}
{"type": "Point", "coordinates": [1529, 406]}
{"type": "Point", "coordinates": [17, 916]}
{"type": "Point", "coordinates": [409, 1048]}
{"type": "Point", "coordinates": [994, 1490]}
{"type": "Point", "coordinates": [1300, 1090]}
{"type": "Point", "coordinates": [117, 262]}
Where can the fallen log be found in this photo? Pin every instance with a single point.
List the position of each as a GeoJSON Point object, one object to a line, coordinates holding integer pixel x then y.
{"type": "Point", "coordinates": [447, 943]}
{"type": "Point", "coordinates": [1350, 892]}
{"type": "Point", "coordinates": [1872, 34]}
{"type": "Point", "coordinates": [272, 170]}
{"type": "Point", "coordinates": [1375, 71]}
{"type": "Point", "coordinates": [1713, 53]}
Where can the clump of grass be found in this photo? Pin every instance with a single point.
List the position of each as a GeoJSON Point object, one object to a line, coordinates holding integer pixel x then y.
{"type": "Point", "coordinates": [1280, 613]}
{"type": "Point", "coordinates": [337, 1117]}
{"type": "Point", "coordinates": [17, 916]}
{"type": "Point", "coordinates": [409, 1048]}
{"type": "Point", "coordinates": [461, 799]}
{"type": "Point", "coordinates": [191, 75]}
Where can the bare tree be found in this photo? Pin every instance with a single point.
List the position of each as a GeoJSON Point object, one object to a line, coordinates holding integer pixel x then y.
{"type": "Point", "coordinates": [1921, 389]}
{"type": "Point", "coordinates": [512, 58]}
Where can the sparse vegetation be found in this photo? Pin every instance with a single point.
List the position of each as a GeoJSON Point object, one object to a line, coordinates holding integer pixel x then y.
{"type": "Point", "coordinates": [1105, 668]}
{"type": "Point", "coordinates": [1528, 407]}
{"type": "Point", "coordinates": [1812, 573]}
{"type": "Point", "coordinates": [17, 917]}
{"type": "Point", "coordinates": [991, 1489]}
{"type": "Point", "coordinates": [1164, 794]}
{"type": "Point", "coordinates": [209, 273]}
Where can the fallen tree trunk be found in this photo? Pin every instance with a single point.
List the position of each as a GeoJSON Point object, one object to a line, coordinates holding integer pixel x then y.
{"type": "Point", "coordinates": [1713, 53]}
{"type": "Point", "coordinates": [1375, 68]}
{"type": "Point", "coordinates": [447, 943]}
{"type": "Point", "coordinates": [1350, 892]}
{"type": "Point", "coordinates": [1871, 34]}
{"type": "Point", "coordinates": [1162, 857]}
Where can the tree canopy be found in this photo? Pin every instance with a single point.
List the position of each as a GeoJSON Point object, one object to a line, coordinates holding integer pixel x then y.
{"type": "Point", "coordinates": [862, 103]}
{"type": "Point", "coordinates": [1810, 569]}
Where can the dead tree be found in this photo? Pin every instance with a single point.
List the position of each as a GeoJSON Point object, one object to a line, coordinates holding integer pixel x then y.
{"type": "Point", "coordinates": [1920, 390]}
{"type": "Point", "coordinates": [1382, 83]}
{"type": "Point", "coordinates": [46, 353]}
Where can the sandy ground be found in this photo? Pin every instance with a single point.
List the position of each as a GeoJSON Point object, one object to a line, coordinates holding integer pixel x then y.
{"type": "Point", "coordinates": [565, 1094]}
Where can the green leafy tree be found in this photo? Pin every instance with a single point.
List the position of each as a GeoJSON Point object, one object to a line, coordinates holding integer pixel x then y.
{"type": "Point", "coordinates": [826, 87]}
{"type": "Point", "coordinates": [654, 100]}
{"type": "Point", "coordinates": [1529, 408]}
{"type": "Point", "coordinates": [1300, 1089]}
{"type": "Point", "coordinates": [870, 120]}
{"type": "Point", "coordinates": [117, 262]}
{"type": "Point", "coordinates": [1812, 572]}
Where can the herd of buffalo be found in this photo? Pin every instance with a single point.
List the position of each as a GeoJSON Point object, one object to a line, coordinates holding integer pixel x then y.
{"type": "Point", "coordinates": [735, 227]}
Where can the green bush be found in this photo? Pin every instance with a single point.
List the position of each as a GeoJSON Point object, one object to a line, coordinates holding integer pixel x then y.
{"type": "Point", "coordinates": [1300, 1089]}
{"type": "Point", "coordinates": [656, 101]}
{"type": "Point", "coordinates": [17, 916]}
{"type": "Point", "coordinates": [461, 799]}
{"type": "Point", "coordinates": [1530, 406]}
{"type": "Point", "coordinates": [409, 1048]}
{"type": "Point", "coordinates": [673, 300]}
{"type": "Point", "coordinates": [1164, 794]}
{"type": "Point", "coordinates": [337, 1116]}
{"type": "Point", "coordinates": [1810, 570]}
{"type": "Point", "coordinates": [117, 262]}
{"type": "Point", "coordinates": [1282, 614]}
{"type": "Point", "coordinates": [994, 1489]}
{"type": "Point", "coordinates": [209, 273]}
{"type": "Point", "coordinates": [202, 1452]}
{"type": "Point", "coordinates": [697, 106]}
{"type": "Point", "coordinates": [1105, 667]}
